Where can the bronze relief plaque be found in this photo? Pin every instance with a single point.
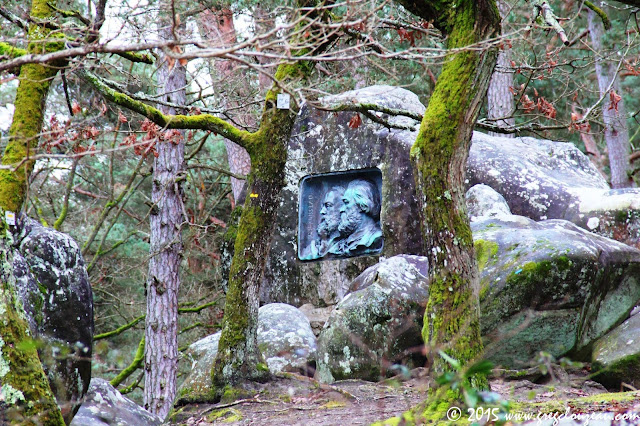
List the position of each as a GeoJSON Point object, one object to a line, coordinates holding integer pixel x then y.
{"type": "Point", "coordinates": [339, 215]}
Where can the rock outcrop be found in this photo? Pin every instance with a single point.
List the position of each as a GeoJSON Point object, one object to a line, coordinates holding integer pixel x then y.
{"type": "Point", "coordinates": [550, 286]}
{"type": "Point", "coordinates": [377, 326]}
{"type": "Point", "coordinates": [545, 286]}
{"type": "Point", "coordinates": [616, 356]}
{"type": "Point", "coordinates": [105, 406]}
{"type": "Point", "coordinates": [543, 179]}
{"type": "Point", "coordinates": [285, 339]}
{"type": "Point", "coordinates": [323, 141]}
{"type": "Point", "coordinates": [53, 285]}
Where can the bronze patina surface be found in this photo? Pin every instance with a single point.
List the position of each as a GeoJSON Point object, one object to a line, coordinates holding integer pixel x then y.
{"type": "Point", "coordinates": [339, 215]}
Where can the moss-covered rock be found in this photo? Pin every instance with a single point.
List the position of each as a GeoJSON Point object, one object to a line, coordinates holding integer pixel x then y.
{"type": "Point", "coordinates": [378, 324]}
{"type": "Point", "coordinates": [550, 286]}
{"type": "Point", "coordinates": [616, 356]}
{"type": "Point", "coordinates": [54, 288]}
{"type": "Point", "coordinates": [25, 393]}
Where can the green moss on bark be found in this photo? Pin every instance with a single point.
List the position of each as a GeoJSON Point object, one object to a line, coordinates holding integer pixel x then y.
{"type": "Point", "coordinates": [239, 357]}
{"type": "Point", "coordinates": [31, 96]}
{"type": "Point", "coordinates": [25, 388]}
{"type": "Point", "coordinates": [439, 156]}
{"type": "Point", "coordinates": [11, 51]}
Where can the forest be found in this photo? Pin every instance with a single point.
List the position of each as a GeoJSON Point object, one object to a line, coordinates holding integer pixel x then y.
{"type": "Point", "coordinates": [147, 156]}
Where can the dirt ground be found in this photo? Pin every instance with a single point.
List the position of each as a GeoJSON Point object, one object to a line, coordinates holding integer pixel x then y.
{"type": "Point", "coordinates": [298, 400]}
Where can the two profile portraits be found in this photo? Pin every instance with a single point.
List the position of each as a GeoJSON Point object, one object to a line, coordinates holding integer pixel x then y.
{"type": "Point", "coordinates": [339, 215]}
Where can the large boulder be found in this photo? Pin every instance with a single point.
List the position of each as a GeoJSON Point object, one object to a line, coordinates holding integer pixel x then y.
{"type": "Point", "coordinates": [545, 286]}
{"type": "Point", "coordinates": [53, 285]}
{"type": "Point", "coordinates": [543, 179]}
{"type": "Point", "coordinates": [482, 201]}
{"type": "Point", "coordinates": [378, 324]}
{"type": "Point", "coordinates": [616, 356]}
{"type": "Point", "coordinates": [550, 286]}
{"type": "Point", "coordinates": [540, 179]}
{"type": "Point", "coordinates": [614, 213]}
{"type": "Point", "coordinates": [105, 406]}
{"type": "Point", "coordinates": [323, 141]}
{"type": "Point", "coordinates": [285, 339]}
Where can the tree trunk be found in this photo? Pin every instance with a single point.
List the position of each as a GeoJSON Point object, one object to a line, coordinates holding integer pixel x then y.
{"type": "Point", "coordinates": [217, 27]}
{"type": "Point", "coordinates": [25, 395]}
{"type": "Point", "coordinates": [239, 357]}
{"type": "Point", "coordinates": [439, 155]}
{"type": "Point", "coordinates": [35, 80]}
{"type": "Point", "coordinates": [163, 282]}
{"type": "Point", "coordinates": [500, 102]}
{"type": "Point", "coordinates": [616, 133]}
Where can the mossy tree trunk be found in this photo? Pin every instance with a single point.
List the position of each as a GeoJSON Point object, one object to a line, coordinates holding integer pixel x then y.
{"type": "Point", "coordinates": [238, 356]}
{"type": "Point", "coordinates": [439, 156]}
{"type": "Point", "coordinates": [35, 80]}
{"type": "Point", "coordinates": [166, 220]}
{"type": "Point", "coordinates": [25, 394]}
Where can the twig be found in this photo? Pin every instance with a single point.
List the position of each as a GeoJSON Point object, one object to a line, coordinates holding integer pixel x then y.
{"type": "Point", "coordinates": [255, 399]}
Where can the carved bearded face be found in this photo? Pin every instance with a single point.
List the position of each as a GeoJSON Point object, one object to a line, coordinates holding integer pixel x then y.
{"type": "Point", "coordinates": [330, 214]}
{"type": "Point", "coordinates": [350, 213]}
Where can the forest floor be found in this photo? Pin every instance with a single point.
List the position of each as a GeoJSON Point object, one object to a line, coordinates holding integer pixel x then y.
{"type": "Point", "coordinates": [298, 400]}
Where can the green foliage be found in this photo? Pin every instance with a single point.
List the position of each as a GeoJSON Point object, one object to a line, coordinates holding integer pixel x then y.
{"type": "Point", "coordinates": [461, 379]}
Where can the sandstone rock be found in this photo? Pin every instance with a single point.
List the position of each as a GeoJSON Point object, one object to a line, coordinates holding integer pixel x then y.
{"type": "Point", "coordinates": [483, 201]}
{"type": "Point", "coordinates": [54, 287]}
{"type": "Point", "coordinates": [542, 179]}
{"type": "Point", "coordinates": [104, 405]}
{"type": "Point", "coordinates": [323, 142]}
{"type": "Point", "coordinates": [550, 286]}
{"type": "Point", "coordinates": [285, 339]}
{"type": "Point", "coordinates": [614, 213]}
{"type": "Point", "coordinates": [616, 356]}
{"type": "Point", "coordinates": [317, 316]}
{"type": "Point", "coordinates": [199, 359]}
{"type": "Point", "coordinates": [547, 286]}
{"type": "Point", "coordinates": [378, 324]}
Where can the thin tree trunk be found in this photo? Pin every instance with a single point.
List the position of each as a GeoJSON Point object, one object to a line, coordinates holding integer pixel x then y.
{"type": "Point", "coordinates": [217, 27]}
{"type": "Point", "coordinates": [616, 133]}
{"type": "Point", "coordinates": [163, 282]}
{"type": "Point", "coordinates": [500, 102]}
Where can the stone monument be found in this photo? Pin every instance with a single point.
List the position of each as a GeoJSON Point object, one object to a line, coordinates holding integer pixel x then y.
{"type": "Point", "coordinates": [316, 264]}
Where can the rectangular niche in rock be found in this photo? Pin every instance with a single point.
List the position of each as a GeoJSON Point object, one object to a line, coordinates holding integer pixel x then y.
{"type": "Point", "coordinates": [339, 215]}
